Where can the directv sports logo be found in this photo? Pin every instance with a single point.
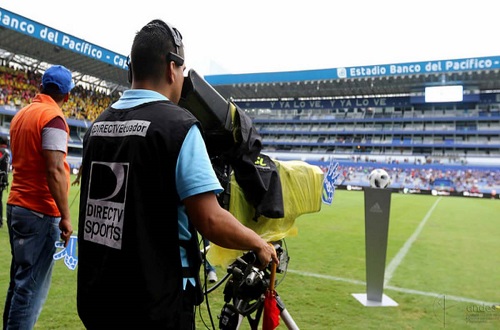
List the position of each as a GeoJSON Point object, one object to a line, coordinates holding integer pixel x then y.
{"type": "Point", "coordinates": [105, 209]}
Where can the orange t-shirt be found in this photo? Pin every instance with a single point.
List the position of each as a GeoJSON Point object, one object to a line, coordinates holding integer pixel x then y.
{"type": "Point", "coordinates": [29, 185]}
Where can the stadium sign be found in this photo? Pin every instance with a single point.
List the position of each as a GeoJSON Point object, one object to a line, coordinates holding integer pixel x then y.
{"type": "Point", "coordinates": [467, 64]}
{"type": "Point", "coordinates": [361, 102]}
{"type": "Point", "coordinates": [327, 104]}
{"type": "Point", "coordinates": [60, 39]}
{"type": "Point", "coordinates": [357, 72]}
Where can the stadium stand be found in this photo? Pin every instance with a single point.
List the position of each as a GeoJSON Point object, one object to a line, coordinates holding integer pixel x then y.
{"type": "Point", "coordinates": [361, 117]}
{"type": "Point", "coordinates": [18, 86]}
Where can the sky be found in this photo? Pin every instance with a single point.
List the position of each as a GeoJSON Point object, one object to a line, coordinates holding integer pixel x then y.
{"type": "Point", "coordinates": [230, 37]}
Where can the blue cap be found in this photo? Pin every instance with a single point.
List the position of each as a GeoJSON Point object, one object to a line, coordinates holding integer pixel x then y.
{"type": "Point", "coordinates": [59, 76]}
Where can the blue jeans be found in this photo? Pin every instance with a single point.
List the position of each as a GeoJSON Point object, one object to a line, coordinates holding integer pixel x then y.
{"type": "Point", "coordinates": [32, 241]}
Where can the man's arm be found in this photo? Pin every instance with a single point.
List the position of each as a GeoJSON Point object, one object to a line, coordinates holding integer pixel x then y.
{"type": "Point", "coordinates": [78, 177]}
{"type": "Point", "coordinates": [222, 228]}
{"type": "Point", "coordinates": [58, 186]}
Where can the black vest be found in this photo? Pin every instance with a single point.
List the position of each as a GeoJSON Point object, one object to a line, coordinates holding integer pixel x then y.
{"type": "Point", "coordinates": [129, 267]}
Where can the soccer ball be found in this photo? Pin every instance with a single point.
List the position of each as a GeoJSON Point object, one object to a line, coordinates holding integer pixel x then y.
{"type": "Point", "coordinates": [379, 178]}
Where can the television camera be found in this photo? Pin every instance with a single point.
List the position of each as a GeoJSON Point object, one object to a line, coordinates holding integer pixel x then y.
{"type": "Point", "coordinates": [234, 146]}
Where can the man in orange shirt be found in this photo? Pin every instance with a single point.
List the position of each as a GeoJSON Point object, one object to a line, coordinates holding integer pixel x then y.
{"type": "Point", "coordinates": [38, 201]}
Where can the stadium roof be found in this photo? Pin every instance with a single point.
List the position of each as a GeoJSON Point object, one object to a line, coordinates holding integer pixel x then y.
{"type": "Point", "coordinates": [36, 46]}
{"type": "Point", "coordinates": [475, 74]}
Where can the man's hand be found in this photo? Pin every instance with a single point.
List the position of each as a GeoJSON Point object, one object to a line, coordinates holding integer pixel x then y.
{"type": "Point", "coordinates": [267, 254]}
{"type": "Point", "coordinates": [66, 230]}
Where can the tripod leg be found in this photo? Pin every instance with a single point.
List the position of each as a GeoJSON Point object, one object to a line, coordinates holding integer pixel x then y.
{"type": "Point", "coordinates": [285, 316]}
{"type": "Point", "coordinates": [240, 320]}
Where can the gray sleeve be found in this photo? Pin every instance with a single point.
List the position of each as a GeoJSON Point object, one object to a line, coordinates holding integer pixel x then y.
{"type": "Point", "coordinates": [54, 139]}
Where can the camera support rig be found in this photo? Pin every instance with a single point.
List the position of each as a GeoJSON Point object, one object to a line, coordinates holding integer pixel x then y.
{"type": "Point", "coordinates": [244, 293]}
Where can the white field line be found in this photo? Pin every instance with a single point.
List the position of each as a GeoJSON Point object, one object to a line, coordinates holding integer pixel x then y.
{"type": "Point", "coordinates": [410, 291]}
{"type": "Point", "coordinates": [391, 268]}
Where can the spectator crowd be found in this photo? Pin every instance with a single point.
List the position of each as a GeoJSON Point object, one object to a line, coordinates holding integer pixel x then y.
{"type": "Point", "coordinates": [459, 179]}
{"type": "Point", "coordinates": [18, 87]}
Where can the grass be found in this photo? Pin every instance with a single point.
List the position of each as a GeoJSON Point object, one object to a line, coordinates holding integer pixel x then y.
{"type": "Point", "coordinates": [447, 279]}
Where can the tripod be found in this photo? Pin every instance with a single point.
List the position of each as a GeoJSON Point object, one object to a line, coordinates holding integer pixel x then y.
{"type": "Point", "coordinates": [244, 293]}
{"type": "Point", "coordinates": [246, 286]}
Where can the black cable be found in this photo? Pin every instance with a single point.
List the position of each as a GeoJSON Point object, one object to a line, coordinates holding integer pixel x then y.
{"type": "Point", "coordinates": [205, 287]}
{"type": "Point", "coordinates": [74, 199]}
{"type": "Point", "coordinates": [285, 271]}
{"type": "Point", "coordinates": [216, 285]}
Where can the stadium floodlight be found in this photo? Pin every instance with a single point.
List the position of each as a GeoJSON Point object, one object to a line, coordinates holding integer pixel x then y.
{"type": "Point", "coordinates": [452, 93]}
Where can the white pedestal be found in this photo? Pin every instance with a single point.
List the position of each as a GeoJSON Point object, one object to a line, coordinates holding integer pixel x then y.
{"type": "Point", "coordinates": [386, 301]}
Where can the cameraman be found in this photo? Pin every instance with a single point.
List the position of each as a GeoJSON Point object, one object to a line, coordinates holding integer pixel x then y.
{"type": "Point", "coordinates": [147, 188]}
